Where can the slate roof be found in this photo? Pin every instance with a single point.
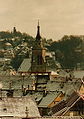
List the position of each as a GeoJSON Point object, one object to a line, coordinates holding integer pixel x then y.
{"type": "Point", "coordinates": [48, 99]}
{"type": "Point", "coordinates": [17, 106]}
{"type": "Point", "coordinates": [73, 85]}
{"type": "Point", "coordinates": [52, 86]}
{"type": "Point", "coordinates": [25, 66]}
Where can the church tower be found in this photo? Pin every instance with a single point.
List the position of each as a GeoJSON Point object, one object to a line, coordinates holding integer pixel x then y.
{"type": "Point", "coordinates": [38, 54]}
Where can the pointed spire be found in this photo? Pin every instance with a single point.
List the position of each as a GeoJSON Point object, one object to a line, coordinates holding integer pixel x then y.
{"type": "Point", "coordinates": [38, 22]}
{"type": "Point", "coordinates": [38, 32]}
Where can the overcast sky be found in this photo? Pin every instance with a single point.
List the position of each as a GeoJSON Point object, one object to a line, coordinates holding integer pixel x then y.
{"type": "Point", "coordinates": [57, 17]}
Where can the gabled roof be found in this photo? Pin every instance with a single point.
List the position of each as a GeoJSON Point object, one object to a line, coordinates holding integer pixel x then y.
{"type": "Point", "coordinates": [65, 106]}
{"type": "Point", "coordinates": [48, 99]}
{"type": "Point", "coordinates": [17, 106]}
{"type": "Point", "coordinates": [75, 84]}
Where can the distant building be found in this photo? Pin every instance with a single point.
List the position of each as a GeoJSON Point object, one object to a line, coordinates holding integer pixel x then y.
{"type": "Point", "coordinates": [14, 30]}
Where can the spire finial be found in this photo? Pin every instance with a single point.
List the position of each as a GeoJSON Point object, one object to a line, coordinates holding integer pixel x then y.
{"type": "Point", "coordinates": [38, 22]}
{"type": "Point", "coordinates": [38, 32]}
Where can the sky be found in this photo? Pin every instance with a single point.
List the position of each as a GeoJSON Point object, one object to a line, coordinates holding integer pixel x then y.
{"type": "Point", "coordinates": [57, 17]}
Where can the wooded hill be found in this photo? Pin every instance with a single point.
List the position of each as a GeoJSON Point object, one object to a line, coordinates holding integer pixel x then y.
{"type": "Point", "coordinates": [69, 51]}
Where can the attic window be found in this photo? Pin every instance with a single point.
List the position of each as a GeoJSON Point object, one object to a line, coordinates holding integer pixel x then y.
{"type": "Point", "coordinates": [4, 109]}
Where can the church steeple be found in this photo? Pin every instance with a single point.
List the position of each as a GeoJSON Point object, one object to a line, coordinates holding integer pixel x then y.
{"type": "Point", "coordinates": [38, 54]}
{"type": "Point", "coordinates": [38, 37]}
